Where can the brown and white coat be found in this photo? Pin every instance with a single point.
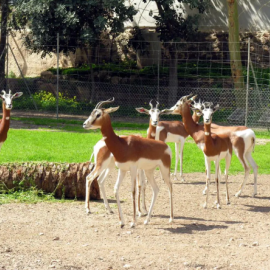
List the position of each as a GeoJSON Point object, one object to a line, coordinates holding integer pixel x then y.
{"type": "Point", "coordinates": [131, 153]}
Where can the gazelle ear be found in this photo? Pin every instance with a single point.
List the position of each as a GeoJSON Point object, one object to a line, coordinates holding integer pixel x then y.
{"type": "Point", "coordinates": [167, 111]}
{"type": "Point", "coordinates": [216, 108]}
{"type": "Point", "coordinates": [18, 94]}
{"type": "Point", "coordinates": [142, 110]}
{"type": "Point", "coordinates": [112, 109]}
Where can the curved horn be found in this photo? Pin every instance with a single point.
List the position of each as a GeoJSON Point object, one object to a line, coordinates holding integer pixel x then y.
{"type": "Point", "coordinates": [157, 104]}
{"type": "Point", "coordinates": [188, 96]}
{"type": "Point", "coordinates": [102, 103]}
{"type": "Point", "coordinates": [150, 103]}
{"type": "Point", "coordinates": [9, 91]}
{"type": "Point", "coordinates": [4, 92]}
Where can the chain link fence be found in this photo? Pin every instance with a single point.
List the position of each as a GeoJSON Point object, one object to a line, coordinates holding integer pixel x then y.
{"type": "Point", "coordinates": [134, 78]}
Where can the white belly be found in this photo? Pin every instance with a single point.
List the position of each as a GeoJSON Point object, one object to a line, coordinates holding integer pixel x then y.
{"type": "Point", "coordinates": [142, 163]}
{"type": "Point", "coordinates": [174, 138]}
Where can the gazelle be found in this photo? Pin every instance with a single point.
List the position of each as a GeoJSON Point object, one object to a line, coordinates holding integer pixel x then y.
{"type": "Point", "coordinates": [166, 131]}
{"type": "Point", "coordinates": [131, 153]}
{"type": "Point", "coordinates": [243, 142]}
{"type": "Point", "coordinates": [7, 107]}
{"type": "Point", "coordinates": [104, 159]}
{"type": "Point", "coordinates": [216, 147]}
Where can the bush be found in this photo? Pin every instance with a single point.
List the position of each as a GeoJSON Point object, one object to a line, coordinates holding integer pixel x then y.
{"type": "Point", "coordinates": [46, 101]}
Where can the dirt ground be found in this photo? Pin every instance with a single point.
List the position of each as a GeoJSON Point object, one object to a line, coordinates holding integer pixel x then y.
{"type": "Point", "coordinates": [63, 236]}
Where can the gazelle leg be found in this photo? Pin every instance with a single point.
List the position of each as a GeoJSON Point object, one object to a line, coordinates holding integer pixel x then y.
{"type": "Point", "coordinates": [255, 171]}
{"type": "Point", "coordinates": [217, 183]}
{"type": "Point", "coordinates": [142, 211]}
{"type": "Point", "coordinates": [166, 176]}
{"type": "Point", "coordinates": [133, 173]}
{"type": "Point", "coordinates": [101, 181]}
{"type": "Point", "coordinates": [181, 159]}
{"type": "Point", "coordinates": [227, 166]}
{"type": "Point", "coordinates": [247, 169]}
{"type": "Point", "coordinates": [176, 160]}
{"type": "Point", "coordinates": [121, 175]}
{"type": "Point", "coordinates": [208, 175]}
{"type": "Point", "coordinates": [89, 179]}
{"type": "Point", "coordinates": [151, 180]}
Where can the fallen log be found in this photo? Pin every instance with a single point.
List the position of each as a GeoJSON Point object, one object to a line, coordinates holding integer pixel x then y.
{"type": "Point", "coordinates": [61, 179]}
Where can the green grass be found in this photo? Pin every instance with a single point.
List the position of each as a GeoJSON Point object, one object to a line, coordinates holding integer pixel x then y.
{"type": "Point", "coordinates": [31, 195]}
{"type": "Point", "coordinates": [63, 146]}
{"type": "Point", "coordinates": [69, 142]}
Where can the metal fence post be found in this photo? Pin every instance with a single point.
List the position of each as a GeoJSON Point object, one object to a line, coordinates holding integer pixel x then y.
{"type": "Point", "coordinates": [57, 78]}
{"type": "Point", "coordinates": [246, 116]}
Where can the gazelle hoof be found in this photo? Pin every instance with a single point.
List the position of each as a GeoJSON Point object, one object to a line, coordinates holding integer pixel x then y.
{"type": "Point", "coordinates": [218, 206]}
{"type": "Point", "coordinates": [228, 202]}
{"type": "Point", "coordinates": [204, 191]}
{"type": "Point", "coordinates": [205, 205]}
{"type": "Point", "coordinates": [254, 195]}
{"type": "Point", "coordinates": [87, 211]}
{"type": "Point", "coordinates": [132, 224]}
{"type": "Point", "coordinates": [122, 224]}
{"type": "Point", "coordinates": [237, 194]}
{"type": "Point", "coordinates": [146, 222]}
{"type": "Point", "coordinates": [171, 220]}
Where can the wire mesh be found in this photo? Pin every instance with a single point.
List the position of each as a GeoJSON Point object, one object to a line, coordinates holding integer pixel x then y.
{"type": "Point", "coordinates": [134, 73]}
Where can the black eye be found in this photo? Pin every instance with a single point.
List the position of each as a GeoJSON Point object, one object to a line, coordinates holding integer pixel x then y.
{"type": "Point", "coordinates": [98, 115]}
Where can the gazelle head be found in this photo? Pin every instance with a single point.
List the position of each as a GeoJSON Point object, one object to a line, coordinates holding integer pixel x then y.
{"type": "Point", "coordinates": [178, 107]}
{"type": "Point", "coordinates": [96, 118]}
{"type": "Point", "coordinates": [7, 98]}
{"type": "Point", "coordinates": [207, 111]}
{"type": "Point", "coordinates": [154, 112]}
{"type": "Point", "coordinates": [197, 107]}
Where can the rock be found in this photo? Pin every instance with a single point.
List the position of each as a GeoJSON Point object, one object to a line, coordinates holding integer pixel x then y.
{"type": "Point", "coordinates": [255, 244]}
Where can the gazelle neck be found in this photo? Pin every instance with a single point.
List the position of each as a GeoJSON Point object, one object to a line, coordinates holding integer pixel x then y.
{"type": "Point", "coordinates": [112, 141]}
{"type": "Point", "coordinates": [190, 126]}
{"type": "Point", "coordinates": [4, 126]}
{"type": "Point", "coordinates": [207, 131]}
{"type": "Point", "coordinates": [151, 130]}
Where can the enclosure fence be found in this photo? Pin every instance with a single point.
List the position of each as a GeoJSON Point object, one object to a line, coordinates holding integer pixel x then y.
{"type": "Point", "coordinates": [137, 72]}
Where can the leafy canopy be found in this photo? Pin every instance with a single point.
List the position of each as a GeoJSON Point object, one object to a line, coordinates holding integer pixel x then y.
{"type": "Point", "coordinates": [172, 22]}
{"type": "Point", "coordinates": [78, 22]}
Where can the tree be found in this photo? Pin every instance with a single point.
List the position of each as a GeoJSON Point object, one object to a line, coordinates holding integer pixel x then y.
{"type": "Point", "coordinates": [78, 22]}
{"type": "Point", "coordinates": [235, 54]}
{"type": "Point", "coordinates": [173, 26]}
{"type": "Point", "coordinates": [4, 18]}
{"type": "Point", "coordinates": [62, 179]}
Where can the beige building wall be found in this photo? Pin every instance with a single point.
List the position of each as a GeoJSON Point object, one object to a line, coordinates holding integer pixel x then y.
{"type": "Point", "coordinates": [31, 65]}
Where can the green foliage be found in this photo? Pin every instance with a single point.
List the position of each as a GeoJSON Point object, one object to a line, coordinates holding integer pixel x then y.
{"type": "Point", "coordinates": [78, 22]}
{"type": "Point", "coordinates": [172, 24]}
{"type": "Point", "coordinates": [46, 101]}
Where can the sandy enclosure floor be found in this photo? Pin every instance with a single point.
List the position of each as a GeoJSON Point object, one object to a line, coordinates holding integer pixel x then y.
{"type": "Point", "coordinates": [62, 236]}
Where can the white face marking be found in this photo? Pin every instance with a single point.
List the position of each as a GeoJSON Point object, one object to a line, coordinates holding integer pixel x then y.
{"type": "Point", "coordinates": [154, 115]}
{"type": "Point", "coordinates": [7, 99]}
{"type": "Point", "coordinates": [207, 115]}
{"type": "Point", "coordinates": [7, 118]}
{"type": "Point", "coordinates": [88, 124]}
{"type": "Point", "coordinates": [206, 133]}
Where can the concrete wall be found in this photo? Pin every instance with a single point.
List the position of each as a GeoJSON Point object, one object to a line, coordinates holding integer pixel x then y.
{"type": "Point", "coordinates": [254, 15]}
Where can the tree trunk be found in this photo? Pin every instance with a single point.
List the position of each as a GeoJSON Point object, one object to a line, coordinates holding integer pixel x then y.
{"type": "Point", "coordinates": [235, 54]}
{"type": "Point", "coordinates": [61, 179]}
{"type": "Point", "coordinates": [4, 16]}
